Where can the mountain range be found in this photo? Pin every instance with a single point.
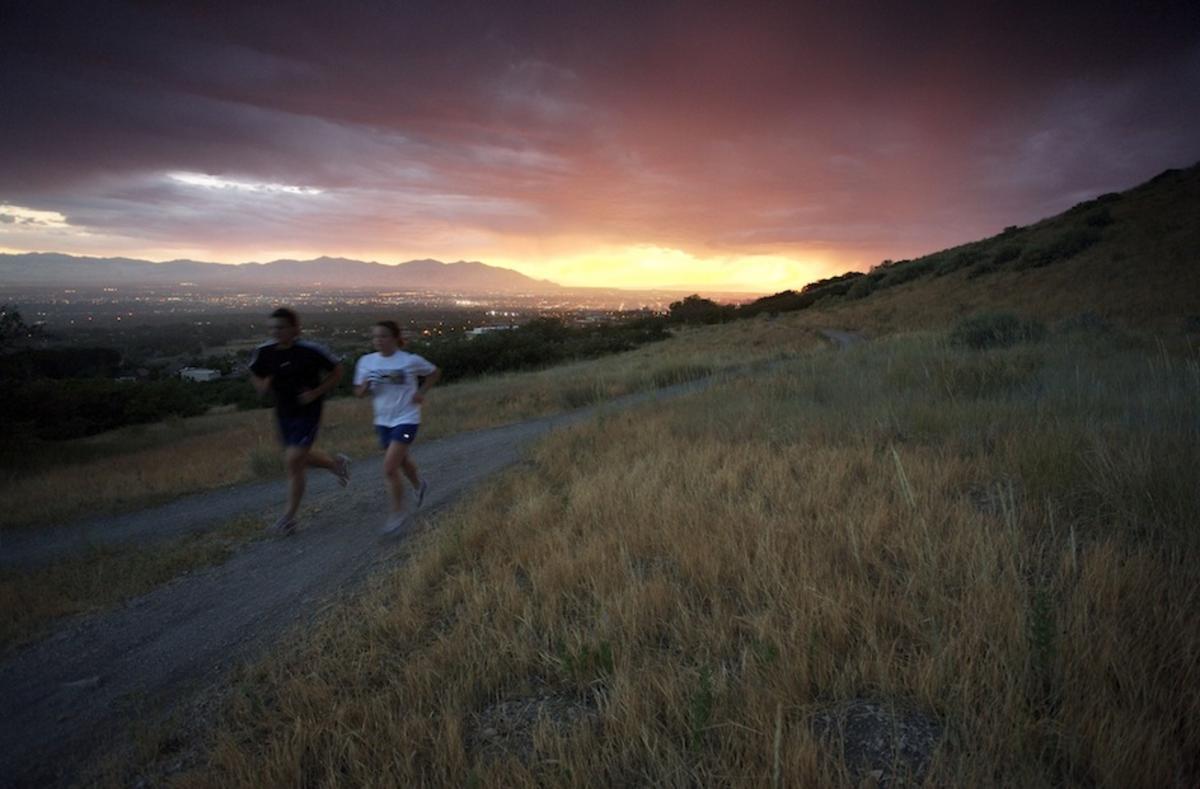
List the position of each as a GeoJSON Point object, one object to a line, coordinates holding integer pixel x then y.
{"type": "Point", "coordinates": [49, 268]}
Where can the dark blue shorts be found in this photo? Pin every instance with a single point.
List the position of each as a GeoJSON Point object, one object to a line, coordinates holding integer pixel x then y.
{"type": "Point", "coordinates": [298, 431]}
{"type": "Point", "coordinates": [402, 433]}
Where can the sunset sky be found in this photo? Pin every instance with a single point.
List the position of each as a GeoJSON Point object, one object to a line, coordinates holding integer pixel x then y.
{"type": "Point", "coordinates": [722, 146]}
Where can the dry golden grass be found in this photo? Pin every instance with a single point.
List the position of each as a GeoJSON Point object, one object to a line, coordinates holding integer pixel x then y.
{"type": "Point", "coordinates": [139, 466]}
{"type": "Point", "coordinates": [1005, 540]}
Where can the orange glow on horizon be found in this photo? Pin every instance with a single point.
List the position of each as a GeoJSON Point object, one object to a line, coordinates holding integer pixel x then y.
{"type": "Point", "coordinates": [632, 267]}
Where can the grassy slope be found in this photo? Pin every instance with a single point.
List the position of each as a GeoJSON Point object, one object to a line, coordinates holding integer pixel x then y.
{"type": "Point", "coordinates": [1004, 540]}
{"type": "Point", "coordinates": [1144, 271]}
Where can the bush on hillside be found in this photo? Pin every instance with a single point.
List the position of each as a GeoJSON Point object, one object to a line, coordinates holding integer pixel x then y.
{"type": "Point", "coordinates": [790, 300]}
{"type": "Point", "coordinates": [697, 309]}
{"type": "Point", "coordinates": [832, 285]}
{"type": "Point", "coordinates": [1003, 255]}
{"type": "Point", "coordinates": [995, 330]}
{"type": "Point", "coordinates": [862, 287]}
{"type": "Point", "coordinates": [959, 260]}
{"type": "Point", "coordinates": [1098, 217]}
{"type": "Point", "coordinates": [905, 271]}
{"type": "Point", "coordinates": [1006, 253]}
{"type": "Point", "coordinates": [1066, 245]}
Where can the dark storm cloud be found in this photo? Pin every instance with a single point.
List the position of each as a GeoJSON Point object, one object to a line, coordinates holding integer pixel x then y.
{"type": "Point", "coordinates": [856, 128]}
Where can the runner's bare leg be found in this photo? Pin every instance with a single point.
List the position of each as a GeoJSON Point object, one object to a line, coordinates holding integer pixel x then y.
{"type": "Point", "coordinates": [319, 459]}
{"type": "Point", "coordinates": [296, 460]}
{"type": "Point", "coordinates": [410, 470]}
{"type": "Point", "coordinates": [394, 462]}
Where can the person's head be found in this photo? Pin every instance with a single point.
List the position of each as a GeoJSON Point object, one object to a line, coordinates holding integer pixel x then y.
{"type": "Point", "coordinates": [385, 336]}
{"type": "Point", "coordinates": [284, 325]}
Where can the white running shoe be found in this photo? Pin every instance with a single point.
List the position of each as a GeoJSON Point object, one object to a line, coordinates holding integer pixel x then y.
{"type": "Point", "coordinates": [394, 523]}
{"type": "Point", "coordinates": [424, 486]}
{"type": "Point", "coordinates": [284, 526]}
{"type": "Point", "coordinates": [341, 469]}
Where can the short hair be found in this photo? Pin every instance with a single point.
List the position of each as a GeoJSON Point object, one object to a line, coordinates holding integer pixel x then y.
{"type": "Point", "coordinates": [288, 315]}
{"type": "Point", "coordinates": [391, 326]}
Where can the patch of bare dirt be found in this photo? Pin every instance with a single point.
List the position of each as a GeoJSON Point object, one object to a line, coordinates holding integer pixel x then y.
{"type": "Point", "coordinates": [880, 743]}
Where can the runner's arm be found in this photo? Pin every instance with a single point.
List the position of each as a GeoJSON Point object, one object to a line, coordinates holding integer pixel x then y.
{"type": "Point", "coordinates": [262, 382]}
{"type": "Point", "coordinates": [364, 379]}
{"type": "Point", "coordinates": [427, 384]}
{"type": "Point", "coordinates": [262, 385]}
{"type": "Point", "coordinates": [325, 386]}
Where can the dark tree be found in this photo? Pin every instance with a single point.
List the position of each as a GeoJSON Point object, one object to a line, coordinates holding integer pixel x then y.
{"type": "Point", "coordinates": [13, 328]}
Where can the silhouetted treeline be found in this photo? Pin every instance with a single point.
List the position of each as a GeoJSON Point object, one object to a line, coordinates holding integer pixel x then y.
{"type": "Point", "coordinates": [53, 409]}
{"type": "Point", "coordinates": [539, 343]}
{"type": "Point", "coordinates": [60, 363]}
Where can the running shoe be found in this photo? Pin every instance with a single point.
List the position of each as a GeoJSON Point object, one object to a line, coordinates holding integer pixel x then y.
{"type": "Point", "coordinates": [394, 523]}
{"type": "Point", "coordinates": [341, 469]}
{"type": "Point", "coordinates": [424, 486]}
{"type": "Point", "coordinates": [283, 526]}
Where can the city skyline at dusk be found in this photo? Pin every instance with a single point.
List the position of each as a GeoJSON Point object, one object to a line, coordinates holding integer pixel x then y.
{"type": "Point", "coordinates": [662, 145]}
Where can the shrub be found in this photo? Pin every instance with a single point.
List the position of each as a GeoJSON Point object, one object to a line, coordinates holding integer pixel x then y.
{"type": "Point", "coordinates": [1006, 253]}
{"type": "Point", "coordinates": [905, 271]}
{"type": "Point", "coordinates": [696, 309]}
{"type": "Point", "coordinates": [995, 330]}
{"type": "Point", "coordinates": [861, 288]}
{"type": "Point", "coordinates": [962, 259]}
{"type": "Point", "coordinates": [1066, 245]}
{"type": "Point", "coordinates": [1001, 256]}
{"type": "Point", "coordinates": [790, 300]}
{"type": "Point", "coordinates": [1098, 217]}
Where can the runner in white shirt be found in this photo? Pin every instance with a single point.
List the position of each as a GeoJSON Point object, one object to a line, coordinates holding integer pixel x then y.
{"type": "Point", "coordinates": [390, 376]}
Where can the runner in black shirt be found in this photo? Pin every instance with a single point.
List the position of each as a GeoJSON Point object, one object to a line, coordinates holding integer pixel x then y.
{"type": "Point", "coordinates": [299, 374]}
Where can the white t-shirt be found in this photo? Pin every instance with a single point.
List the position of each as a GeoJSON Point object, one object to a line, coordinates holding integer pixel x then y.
{"type": "Point", "coordinates": [393, 384]}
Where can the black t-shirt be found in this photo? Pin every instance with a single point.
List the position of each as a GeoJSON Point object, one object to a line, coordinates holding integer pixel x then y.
{"type": "Point", "coordinates": [292, 371]}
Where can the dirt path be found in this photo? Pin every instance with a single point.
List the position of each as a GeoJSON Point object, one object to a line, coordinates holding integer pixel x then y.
{"type": "Point", "coordinates": [59, 697]}
{"type": "Point", "coordinates": [29, 547]}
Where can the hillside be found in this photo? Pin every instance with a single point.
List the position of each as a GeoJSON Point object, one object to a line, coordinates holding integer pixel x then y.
{"type": "Point", "coordinates": [915, 564]}
{"type": "Point", "coordinates": [1130, 257]}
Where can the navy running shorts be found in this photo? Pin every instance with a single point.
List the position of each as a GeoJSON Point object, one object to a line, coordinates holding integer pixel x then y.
{"type": "Point", "coordinates": [298, 431]}
{"type": "Point", "coordinates": [401, 433]}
